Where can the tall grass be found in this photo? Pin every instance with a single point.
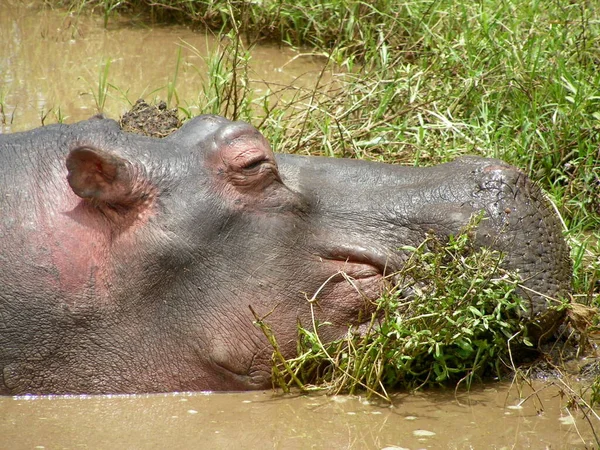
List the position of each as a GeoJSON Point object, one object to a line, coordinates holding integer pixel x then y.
{"type": "Point", "coordinates": [4, 118]}
{"type": "Point", "coordinates": [100, 93]}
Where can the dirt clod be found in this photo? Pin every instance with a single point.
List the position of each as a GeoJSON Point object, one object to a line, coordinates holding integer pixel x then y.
{"type": "Point", "coordinates": [150, 120]}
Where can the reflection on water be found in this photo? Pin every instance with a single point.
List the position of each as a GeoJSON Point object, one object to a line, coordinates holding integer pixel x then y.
{"type": "Point", "coordinates": [48, 60]}
{"type": "Point", "coordinates": [490, 417]}
{"type": "Point", "coordinates": [51, 64]}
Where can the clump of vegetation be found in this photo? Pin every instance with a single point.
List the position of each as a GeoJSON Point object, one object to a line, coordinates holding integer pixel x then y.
{"type": "Point", "coordinates": [595, 392]}
{"type": "Point", "coordinates": [453, 315]}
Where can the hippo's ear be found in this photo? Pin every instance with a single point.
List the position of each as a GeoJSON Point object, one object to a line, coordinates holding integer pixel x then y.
{"type": "Point", "coordinates": [96, 174]}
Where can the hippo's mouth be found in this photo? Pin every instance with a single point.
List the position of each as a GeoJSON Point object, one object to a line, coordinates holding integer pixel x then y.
{"type": "Point", "coordinates": [356, 278]}
{"type": "Point", "coordinates": [363, 263]}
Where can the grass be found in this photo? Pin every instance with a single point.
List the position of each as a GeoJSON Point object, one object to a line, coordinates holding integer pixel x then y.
{"type": "Point", "coordinates": [172, 84]}
{"type": "Point", "coordinates": [420, 83]}
{"type": "Point", "coordinates": [428, 81]}
{"type": "Point", "coordinates": [4, 118]}
{"type": "Point", "coordinates": [100, 94]}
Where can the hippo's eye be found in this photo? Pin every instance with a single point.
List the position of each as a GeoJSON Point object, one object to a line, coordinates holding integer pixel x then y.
{"type": "Point", "coordinates": [251, 162]}
{"type": "Point", "coordinates": [253, 165]}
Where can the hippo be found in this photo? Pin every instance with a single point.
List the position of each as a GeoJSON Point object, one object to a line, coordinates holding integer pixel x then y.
{"type": "Point", "coordinates": [132, 264]}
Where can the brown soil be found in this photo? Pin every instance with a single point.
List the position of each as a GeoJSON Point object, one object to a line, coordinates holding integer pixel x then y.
{"type": "Point", "coordinates": [150, 120]}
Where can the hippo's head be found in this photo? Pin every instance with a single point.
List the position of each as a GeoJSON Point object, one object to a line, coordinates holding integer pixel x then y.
{"type": "Point", "coordinates": [147, 263]}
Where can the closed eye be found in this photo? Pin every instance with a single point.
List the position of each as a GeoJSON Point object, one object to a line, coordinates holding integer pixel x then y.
{"type": "Point", "coordinates": [254, 164]}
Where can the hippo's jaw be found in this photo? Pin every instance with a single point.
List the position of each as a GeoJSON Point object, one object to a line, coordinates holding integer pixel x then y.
{"type": "Point", "coordinates": [352, 286]}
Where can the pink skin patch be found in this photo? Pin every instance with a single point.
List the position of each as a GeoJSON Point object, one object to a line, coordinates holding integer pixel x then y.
{"type": "Point", "coordinates": [76, 244]}
{"type": "Point", "coordinates": [80, 236]}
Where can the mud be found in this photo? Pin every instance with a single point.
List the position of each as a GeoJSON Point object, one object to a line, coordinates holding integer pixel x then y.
{"type": "Point", "coordinates": [150, 120]}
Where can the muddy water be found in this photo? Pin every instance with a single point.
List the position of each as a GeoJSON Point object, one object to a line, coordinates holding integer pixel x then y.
{"type": "Point", "coordinates": [49, 66]}
{"type": "Point", "coordinates": [52, 63]}
{"type": "Point", "coordinates": [491, 417]}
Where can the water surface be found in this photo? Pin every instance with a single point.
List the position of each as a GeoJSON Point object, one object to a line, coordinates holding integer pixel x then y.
{"type": "Point", "coordinates": [52, 63]}
{"type": "Point", "coordinates": [489, 417]}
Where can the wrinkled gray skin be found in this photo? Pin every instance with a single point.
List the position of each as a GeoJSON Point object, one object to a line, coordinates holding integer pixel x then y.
{"type": "Point", "coordinates": [128, 264]}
